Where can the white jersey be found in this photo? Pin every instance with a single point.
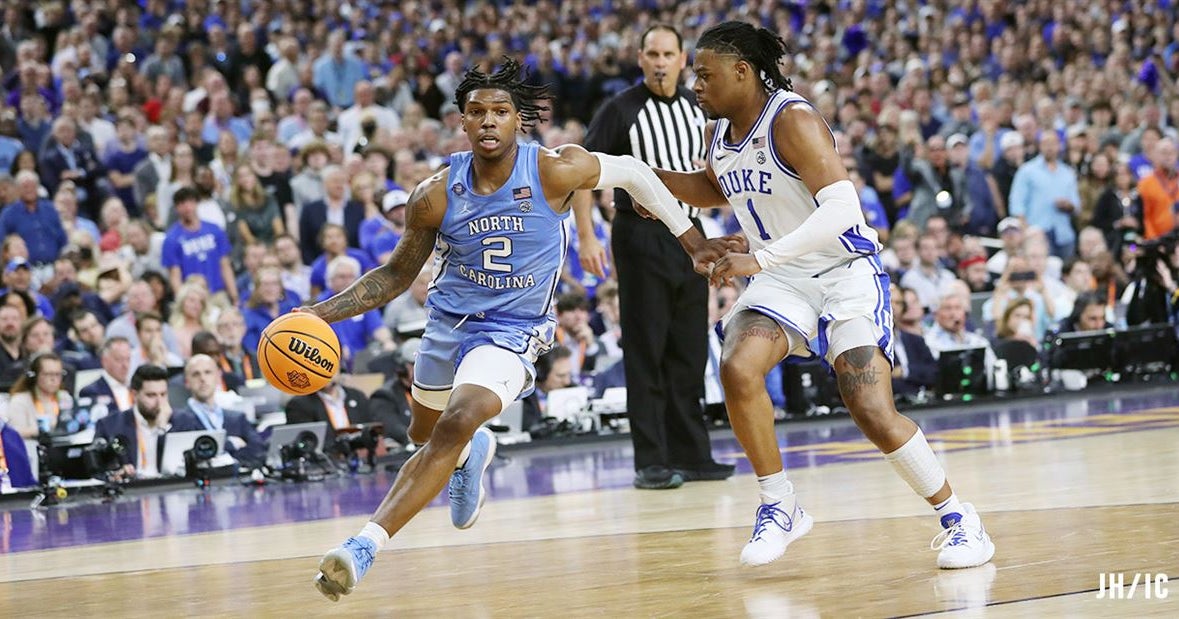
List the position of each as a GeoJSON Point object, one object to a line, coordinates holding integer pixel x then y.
{"type": "Point", "coordinates": [770, 200]}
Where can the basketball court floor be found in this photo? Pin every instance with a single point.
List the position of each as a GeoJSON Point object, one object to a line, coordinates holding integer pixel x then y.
{"type": "Point", "coordinates": [1071, 488]}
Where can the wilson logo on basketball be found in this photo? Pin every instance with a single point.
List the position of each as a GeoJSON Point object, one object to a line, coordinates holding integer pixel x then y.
{"type": "Point", "coordinates": [310, 353]}
{"type": "Point", "coordinates": [298, 380]}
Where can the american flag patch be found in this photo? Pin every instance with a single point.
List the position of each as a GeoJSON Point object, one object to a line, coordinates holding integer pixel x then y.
{"type": "Point", "coordinates": [521, 193]}
{"type": "Point", "coordinates": [759, 142]}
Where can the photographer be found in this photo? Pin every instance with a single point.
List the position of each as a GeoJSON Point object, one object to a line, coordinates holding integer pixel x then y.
{"type": "Point", "coordinates": [141, 427]}
{"type": "Point", "coordinates": [1150, 295]}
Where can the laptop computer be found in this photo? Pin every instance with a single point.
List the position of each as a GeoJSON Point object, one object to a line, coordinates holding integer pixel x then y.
{"type": "Point", "coordinates": [286, 434]}
{"type": "Point", "coordinates": [568, 403]}
{"type": "Point", "coordinates": [176, 443]}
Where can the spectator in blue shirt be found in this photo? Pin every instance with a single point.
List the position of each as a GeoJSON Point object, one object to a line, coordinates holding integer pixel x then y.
{"type": "Point", "coordinates": [358, 332]}
{"type": "Point", "coordinates": [33, 219]}
{"type": "Point", "coordinates": [195, 247]}
{"type": "Point", "coordinates": [334, 241]}
{"type": "Point", "coordinates": [268, 300]}
{"type": "Point", "coordinates": [336, 73]}
{"type": "Point", "coordinates": [18, 277]}
{"type": "Point", "coordinates": [221, 118]}
{"type": "Point", "coordinates": [379, 234]}
{"type": "Point", "coordinates": [1045, 194]}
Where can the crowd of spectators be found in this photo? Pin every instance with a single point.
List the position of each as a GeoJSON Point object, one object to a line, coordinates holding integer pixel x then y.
{"type": "Point", "coordinates": [185, 171]}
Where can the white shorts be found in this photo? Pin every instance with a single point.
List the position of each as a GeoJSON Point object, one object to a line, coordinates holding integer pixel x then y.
{"type": "Point", "coordinates": [827, 315]}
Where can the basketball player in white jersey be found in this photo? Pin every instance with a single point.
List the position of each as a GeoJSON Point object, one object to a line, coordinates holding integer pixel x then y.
{"type": "Point", "coordinates": [816, 276]}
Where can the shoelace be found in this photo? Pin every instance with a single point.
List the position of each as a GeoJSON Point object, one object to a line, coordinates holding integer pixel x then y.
{"type": "Point", "coordinates": [953, 536]}
{"type": "Point", "coordinates": [458, 482]}
{"type": "Point", "coordinates": [768, 514]}
{"type": "Point", "coordinates": [362, 552]}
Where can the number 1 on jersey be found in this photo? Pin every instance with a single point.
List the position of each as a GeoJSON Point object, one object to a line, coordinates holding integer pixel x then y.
{"type": "Point", "coordinates": [761, 229]}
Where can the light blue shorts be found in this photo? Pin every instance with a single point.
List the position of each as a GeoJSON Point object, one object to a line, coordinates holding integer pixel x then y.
{"type": "Point", "coordinates": [448, 338]}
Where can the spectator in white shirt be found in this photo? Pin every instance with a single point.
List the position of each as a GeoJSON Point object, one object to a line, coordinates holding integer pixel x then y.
{"type": "Point", "coordinates": [949, 330]}
{"type": "Point", "coordinates": [348, 123]}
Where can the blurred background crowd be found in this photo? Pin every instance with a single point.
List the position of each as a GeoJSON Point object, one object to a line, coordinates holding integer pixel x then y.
{"type": "Point", "coordinates": [176, 174]}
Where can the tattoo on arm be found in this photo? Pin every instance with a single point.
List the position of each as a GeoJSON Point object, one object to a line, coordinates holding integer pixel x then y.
{"type": "Point", "coordinates": [386, 282]}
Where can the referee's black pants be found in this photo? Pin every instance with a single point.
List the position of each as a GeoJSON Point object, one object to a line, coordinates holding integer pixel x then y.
{"type": "Point", "coordinates": [664, 320]}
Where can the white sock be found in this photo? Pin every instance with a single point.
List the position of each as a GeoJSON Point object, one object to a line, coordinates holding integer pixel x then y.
{"type": "Point", "coordinates": [947, 507]}
{"type": "Point", "coordinates": [376, 533]}
{"type": "Point", "coordinates": [462, 459]}
{"type": "Point", "coordinates": [775, 487]}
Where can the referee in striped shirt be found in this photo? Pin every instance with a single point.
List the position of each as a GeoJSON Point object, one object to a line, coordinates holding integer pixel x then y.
{"type": "Point", "coordinates": [664, 303]}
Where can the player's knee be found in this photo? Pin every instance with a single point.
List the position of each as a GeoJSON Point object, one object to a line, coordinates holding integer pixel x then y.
{"type": "Point", "coordinates": [875, 416]}
{"type": "Point", "coordinates": [419, 431]}
{"type": "Point", "coordinates": [453, 429]}
{"type": "Point", "coordinates": [460, 420]}
{"type": "Point", "coordinates": [741, 378]}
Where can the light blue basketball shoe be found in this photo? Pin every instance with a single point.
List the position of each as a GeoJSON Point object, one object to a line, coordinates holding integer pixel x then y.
{"type": "Point", "coordinates": [341, 569]}
{"type": "Point", "coordinates": [466, 489]}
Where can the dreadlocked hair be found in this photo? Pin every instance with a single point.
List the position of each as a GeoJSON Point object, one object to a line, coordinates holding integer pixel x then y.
{"type": "Point", "coordinates": [510, 78]}
{"type": "Point", "coordinates": [757, 46]}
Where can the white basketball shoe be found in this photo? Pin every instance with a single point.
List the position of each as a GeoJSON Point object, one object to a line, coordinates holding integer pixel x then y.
{"type": "Point", "coordinates": [963, 542]}
{"type": "Point", "coordinates": [777, 525]}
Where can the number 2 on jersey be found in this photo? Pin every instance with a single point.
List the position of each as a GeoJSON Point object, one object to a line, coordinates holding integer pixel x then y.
{"type": "Point", "coordinates": [503, 250]}
{"type": "Point", "coordinates": [761, 229]}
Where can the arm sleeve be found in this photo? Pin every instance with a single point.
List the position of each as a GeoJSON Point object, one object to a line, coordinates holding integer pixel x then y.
{"type": "Point", "coordinates": [839, 209]}
{"type": "Point", "coordinates": [641, 183]}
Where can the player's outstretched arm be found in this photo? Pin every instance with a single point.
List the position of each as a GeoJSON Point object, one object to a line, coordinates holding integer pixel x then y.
{"type": "Point", "coordinates": [423, 217]}
{"type": "Point", "coordinates": [803, 140]}
{"type": "Point", "coordinates": [571, 168]}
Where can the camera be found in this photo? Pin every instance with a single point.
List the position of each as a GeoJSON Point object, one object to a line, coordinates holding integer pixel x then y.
{"type": "Point", "coordinates": [196, 467]}
{"type": "Point", "coordinates": [104, 457]}
{"type": "Point", "coordinates": [349, 444]}
{"type": "Point", "coordinates": [295, 456]}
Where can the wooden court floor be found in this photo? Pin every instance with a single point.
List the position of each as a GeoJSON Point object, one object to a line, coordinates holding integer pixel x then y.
{"type": "Point", "coordinates": [1061, 513]}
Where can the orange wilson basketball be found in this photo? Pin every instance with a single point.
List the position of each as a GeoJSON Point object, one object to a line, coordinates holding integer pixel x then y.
{"type": "Point", "coordinates": [299, 353]}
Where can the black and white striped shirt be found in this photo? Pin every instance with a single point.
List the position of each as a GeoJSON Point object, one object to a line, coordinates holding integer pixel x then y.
{"type": "Point", "coordinates": [665, 133]}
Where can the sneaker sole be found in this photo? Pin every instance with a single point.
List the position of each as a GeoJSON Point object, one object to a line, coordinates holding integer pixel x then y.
{"type": "Point", "coordinates": [804, 527]}
{"type": "Point", "coordinates": [334, 578]}
{"type": "Point", "coordinates": [674, 482]}
{"type": "Point", "coordinates": [990, 554]}
{"type": "Point", "coordinates": [482, 490]}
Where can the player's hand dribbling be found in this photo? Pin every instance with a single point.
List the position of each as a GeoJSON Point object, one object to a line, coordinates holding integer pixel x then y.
{"type": "Point", "coordinates": [733, 265]}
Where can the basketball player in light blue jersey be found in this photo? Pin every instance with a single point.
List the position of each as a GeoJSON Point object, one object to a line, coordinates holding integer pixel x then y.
{"type": "Point", "coordinates": [496, 216]}
{"type": "Point", "coordinates": [818, 288]}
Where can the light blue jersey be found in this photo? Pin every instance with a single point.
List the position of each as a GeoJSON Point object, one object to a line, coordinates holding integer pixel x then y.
{"type": "Point", "coordinates": [500, 259]}
{"type": "Point", "coordinates": [499, 254]}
